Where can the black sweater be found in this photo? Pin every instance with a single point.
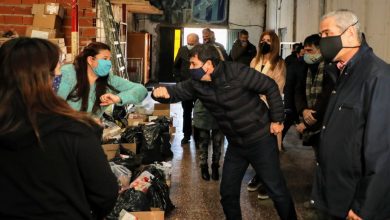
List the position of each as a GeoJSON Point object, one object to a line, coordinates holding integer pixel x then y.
{"type": "Point", "coordinates": [68, 177]}
{"type": "Point", "coordinates": [232, 97]}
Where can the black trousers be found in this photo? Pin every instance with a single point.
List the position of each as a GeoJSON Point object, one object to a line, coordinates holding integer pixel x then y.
{"type": "Point", "coordinates": [264, 158]}
{"type": "Point", "coordinates": [204, 141]}
{"type": "Point", "coordinates": [187, 117]}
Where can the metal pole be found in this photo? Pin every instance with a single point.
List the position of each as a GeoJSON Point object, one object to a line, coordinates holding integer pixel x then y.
{"type": "Point", "coordinates": [75, 28]}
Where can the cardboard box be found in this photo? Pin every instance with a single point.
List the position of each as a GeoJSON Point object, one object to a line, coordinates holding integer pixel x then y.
{"type": "Point", "coordinates": [165, 113]}
{"type": "Point", "coordinates": [151, 215]}
{"type": "Point", "coordinates": [38, 9]}
{"type": "Point", "coordinates": [130, 146]}
{"type": "Point", "coordinates": [63, 49]}
{"type": "Point", "coordinates": [54, 9]}
{"type": "Point", "coordinates": [58, 41]}
{"type": "Point", "coordinates": [110, 150]}
{"type": "Point", "coordinates": [159, 106]}
{"type": "Point", "coordinates": [43, 33]}
{"type": "Point", "coordinates": [47, 21]}
{"type": "Point", "coordinates": [136, 119]}
{"type": "Point", "coordinates": [69, 58]}
{"type": "Point", "coordinates": [162, 110]}
{"type": "Point", "coordinates": [152, 117]}
{"type": "Point", "coordinates": [172, 130]}
{"type": "Point", "coordinates": [154, 214]}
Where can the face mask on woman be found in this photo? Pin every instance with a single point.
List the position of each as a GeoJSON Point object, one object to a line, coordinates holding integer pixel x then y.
{"type": "Point", "coordinates": [103, 68]}
{"type": "Point", "coordinates": [264, 47]}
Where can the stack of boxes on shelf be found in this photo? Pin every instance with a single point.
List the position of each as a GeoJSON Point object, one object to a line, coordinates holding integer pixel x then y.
{"type": "Point", "coordinates": [47, 24]}
{"type": "Point", "coordinates": [47, 21]}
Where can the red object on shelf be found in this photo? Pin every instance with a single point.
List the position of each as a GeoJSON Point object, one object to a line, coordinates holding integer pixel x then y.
{"type": "Point", "coordinates": [75, 16]}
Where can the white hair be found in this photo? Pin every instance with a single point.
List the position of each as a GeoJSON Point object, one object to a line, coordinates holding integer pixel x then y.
{"type": "Point", "coordinates": [194, 36]}
{"type": "Point", "coordinates": [344, 19]}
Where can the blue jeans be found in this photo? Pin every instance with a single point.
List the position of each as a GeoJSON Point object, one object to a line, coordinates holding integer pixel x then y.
{"type": "Point", "coordinates": [264, 158]}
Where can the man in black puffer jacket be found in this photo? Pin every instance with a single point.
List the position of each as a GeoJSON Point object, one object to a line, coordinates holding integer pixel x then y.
{"type": "Point", "coordinates": [230, 91]}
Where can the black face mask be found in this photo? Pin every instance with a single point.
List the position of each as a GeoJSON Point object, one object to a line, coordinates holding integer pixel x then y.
{"type": "Point", "coordinates": [198, 73]}
{"type": "Point", "coordinates": [264, 47]}
{"type": "Point", "coordinates": [331, 46]}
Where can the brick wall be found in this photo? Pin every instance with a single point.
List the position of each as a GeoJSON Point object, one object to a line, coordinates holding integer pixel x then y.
{"type": "Point", "coordinates": [16, 15]}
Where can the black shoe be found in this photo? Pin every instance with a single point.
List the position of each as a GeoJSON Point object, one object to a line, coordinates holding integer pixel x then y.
{"type": "Point", "coordinates": [214, 171]}
{"type": "Point", "coordinates": [262, 193]}
{"type": "Point", "coordinates": [185, 140]}
{"type": "Point", "coordinates": [204, 169]}
{"type": "Point", "coordinates": [254, 184]}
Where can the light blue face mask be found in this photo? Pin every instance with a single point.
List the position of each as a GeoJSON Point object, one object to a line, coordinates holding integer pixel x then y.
{"type": "Point", "coordinates": [312, 58]}
{"type": "Point", "coordinates": [103, 68]}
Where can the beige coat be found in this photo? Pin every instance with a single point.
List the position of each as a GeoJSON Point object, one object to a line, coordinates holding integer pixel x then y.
{"type": "Point", "coordinates": [278, 73]}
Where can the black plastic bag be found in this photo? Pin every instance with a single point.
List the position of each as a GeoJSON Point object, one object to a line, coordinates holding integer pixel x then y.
{"type": "Point", "coordinates": [132, 135]}
{"type": "Point", "coordinates": [151, 143]}
{"type": "Point", "coordinates": [157, 173]}
{"type": "Point", "coordinates": [166, 146]}
{"type": "Point", "coordinates": [164, 122]}
{"type": "Point", "coordinates": [132, 201]}
{"type": "Point", "coordinates": [108, 117]}
{"type": "Point", "coordinates": [119, 112]}
{"type": "Point", "coordinates": [132, 162]}
{"type": "Point", "coordinates": [158, 194]}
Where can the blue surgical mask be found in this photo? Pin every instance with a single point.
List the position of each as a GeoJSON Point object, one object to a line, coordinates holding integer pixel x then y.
{"type": "Point", "coordinates": [312, 58]}
{"type": "Point", "coordinates": [103, 68]}
{"type": "Point", "coordinates": [197, 74]}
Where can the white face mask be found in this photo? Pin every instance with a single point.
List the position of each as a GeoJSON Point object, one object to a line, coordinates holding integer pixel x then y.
{"type": "Point", "coordinates": [190, 47]}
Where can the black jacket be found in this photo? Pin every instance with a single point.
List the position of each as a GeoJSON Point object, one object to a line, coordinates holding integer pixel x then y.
{"type": "Point", "coordinates": [291, 59]}
{"type": "Point", "coordinates": [354, 152]}
{"type": "Point", "coordinates": [295, 75]}
{"type": "Point", "coordinates": [232, 97]}
{"type": "Point", "coordinates": [67, 177]}
{"type": "Point", "coordinates": [241, 54]}
{"type": "Point", "coordinates": [182, 64]}
{"type": "Point", "coordinates": [328, 84]}
{"type": "Point", "coordinates": [221, 49]}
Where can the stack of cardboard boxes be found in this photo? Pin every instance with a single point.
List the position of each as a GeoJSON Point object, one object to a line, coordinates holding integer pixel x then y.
{"type": "Point", "coordinates": [47, 23]}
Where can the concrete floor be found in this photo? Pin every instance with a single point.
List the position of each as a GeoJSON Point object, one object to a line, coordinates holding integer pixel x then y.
{"type": "Point", "coordinates": [197, 199]}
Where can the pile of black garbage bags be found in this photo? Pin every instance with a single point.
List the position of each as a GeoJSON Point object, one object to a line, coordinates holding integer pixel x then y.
{"type": "Point", "coordinates": [152, 139]}
{"type": "Point", "coordinates": [148, 189]}
{"type": "Point", "coordinates": [142, 175]}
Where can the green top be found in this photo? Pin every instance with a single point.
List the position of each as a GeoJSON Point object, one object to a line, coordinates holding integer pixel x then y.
{"type": "Point", "coordinates": [203, 118]}
{"type": "Point", "coordinates": [129, 92]}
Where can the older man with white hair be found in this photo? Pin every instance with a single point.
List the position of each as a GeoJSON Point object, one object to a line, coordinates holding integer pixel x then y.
{"type": "Point", "coordinates": [181, 73]}
{"type": "Point", "coordinates": [353, 172]}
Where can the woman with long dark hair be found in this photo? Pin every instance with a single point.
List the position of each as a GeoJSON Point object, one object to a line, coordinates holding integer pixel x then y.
{"type": "Point", "coordinates": [52, 165]}
{"type": "Point", "coordinates": [87, 84]}
{"type": "Point", "coordinates": [268, 62]}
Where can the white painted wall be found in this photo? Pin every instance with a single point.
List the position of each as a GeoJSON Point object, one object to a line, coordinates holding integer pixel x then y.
{"type": "Point", "coordinates": [308, 18]}
{"type": "Point", "coordinates": [249, 15]}
{"type": "Point", "coordinates": [373, 16]}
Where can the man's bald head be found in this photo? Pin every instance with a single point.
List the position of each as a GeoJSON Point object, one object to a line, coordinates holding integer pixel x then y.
{"type": "Point", "coordinates": [192, 39]}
